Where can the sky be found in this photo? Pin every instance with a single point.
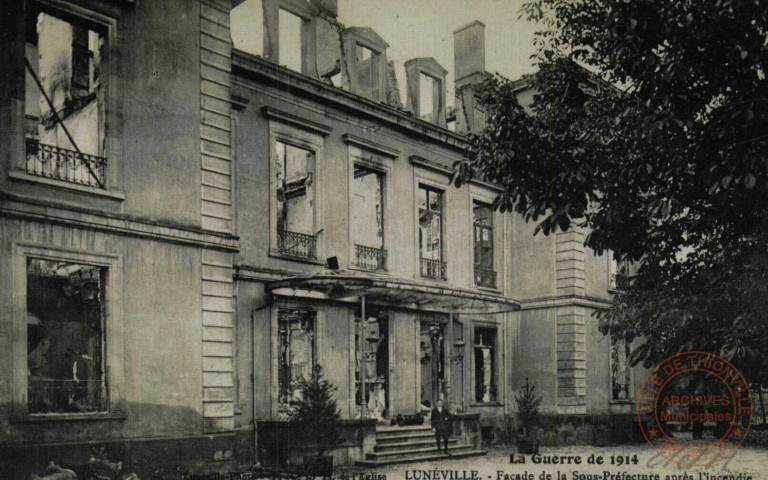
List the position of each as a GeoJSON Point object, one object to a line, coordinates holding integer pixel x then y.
{"type": "Point", "coordinates": [424, 28]}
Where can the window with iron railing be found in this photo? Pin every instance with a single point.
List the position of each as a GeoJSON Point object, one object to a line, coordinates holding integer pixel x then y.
{"type": "Point", "coordinates": [482, 215]}
{"type": "Point", "coordinates": [367, 222]}
{"type": "Point", "coordinates": [295, 201]}
{"type": "Point", "coordinates": [430, 210]}
{"type": "Point", "coordinates": [64, 100]}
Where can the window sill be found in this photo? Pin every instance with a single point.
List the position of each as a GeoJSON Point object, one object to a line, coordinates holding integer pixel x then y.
{"type": "Point", "coordinates": [493, 290]}
{"type": "Point", "coordinates": [97, 192]}
{"type": "Point", "coordinates": [487, 404]}
{"type": "Point", "coordinates": [621, 402]}
{"type": "Point", "coordinates": [313, 261]}
{"type": "Point", "coordinates": [369, 270]}
{"type": "Point", "coordinates": [69, 417]}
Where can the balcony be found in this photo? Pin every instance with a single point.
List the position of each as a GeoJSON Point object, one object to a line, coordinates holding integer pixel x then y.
{"type": "Point", "coordinates": [619, 281]}
{"type": "Point", "coordinates": [65, 165]}
{"type": "Point", "coordinates": [485, 277]}
{"type": "Point", "coordinates": [371, 258]}
{"type": "Point", "coordinates": [293, 244]}
{"type": "Point", "coordinates": [433, 269]}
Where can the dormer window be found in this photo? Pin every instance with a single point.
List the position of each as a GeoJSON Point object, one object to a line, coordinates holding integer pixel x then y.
{"type": "Point", "coordinates": [429, 89]}
{"type": "Point", "coordinates": [289, 42]}
{"type": "Point", "coordinates": [366, 70]}
{"type": "Point", "coordinates": [426, 89]}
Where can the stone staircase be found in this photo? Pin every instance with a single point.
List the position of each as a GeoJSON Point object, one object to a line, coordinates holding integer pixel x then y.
{"type": "Point", "coordinates": [412, 444]}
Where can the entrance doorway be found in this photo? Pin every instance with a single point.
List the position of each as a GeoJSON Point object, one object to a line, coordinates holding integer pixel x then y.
{"type": "Point", "coordinates": [432, 343]}
{"type": "Point", "coordinates": [372, 352]}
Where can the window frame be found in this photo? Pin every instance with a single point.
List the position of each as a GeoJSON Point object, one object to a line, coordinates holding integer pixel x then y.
{"type": "Point", "coordinates": [627, 367]}
{"type": "Point", "coordinates": [491, 241]}
{"type": "Point", "coordinates": [431, 187]}
{"type": "Point", "coordinates": [496, 374]}
{"type": "Point", "coordinates": [307, 140]}
{"type": "Point", "coordinates": [375, 162]}
{"type": "Point", "coordinates": [108, 80]}
{"type": "Point", "coordinates": [113, 332]}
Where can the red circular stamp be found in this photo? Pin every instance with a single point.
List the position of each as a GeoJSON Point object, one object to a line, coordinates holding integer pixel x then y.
{"type": "Point", "coordinates": [695, 408]}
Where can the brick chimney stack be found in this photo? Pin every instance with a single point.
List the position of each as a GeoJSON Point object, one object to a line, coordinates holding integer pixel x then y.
{"type": "Point", "coordinates": [469, 72]}
{"type": "Point", "coordinates": [469, 54]}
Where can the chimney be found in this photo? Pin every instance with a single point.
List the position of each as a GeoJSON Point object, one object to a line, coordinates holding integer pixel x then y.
{"type": "Point", "coordinates": [331, 7]}
{"type": "Point", "coordinates": [469, 54]}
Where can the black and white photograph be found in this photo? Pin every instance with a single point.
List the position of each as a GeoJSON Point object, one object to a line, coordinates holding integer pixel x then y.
{"type": "Point", "coordinates": [383, 239]}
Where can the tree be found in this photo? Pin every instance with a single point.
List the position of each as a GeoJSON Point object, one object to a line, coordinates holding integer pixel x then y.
{"type": "Point", "coordinates": [318, 412]}
{"type": "Point", "coordinates": [528, 408]}
{"type": "Point", "coordinates": [649, 127]}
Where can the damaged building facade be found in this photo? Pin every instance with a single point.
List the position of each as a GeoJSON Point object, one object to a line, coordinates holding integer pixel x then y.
{"type": "Point", "coordinates": [189, 229]}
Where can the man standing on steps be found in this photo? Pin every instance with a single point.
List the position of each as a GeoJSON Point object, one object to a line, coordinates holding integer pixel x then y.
{"type": "Point", "coordinates": [441, 424]}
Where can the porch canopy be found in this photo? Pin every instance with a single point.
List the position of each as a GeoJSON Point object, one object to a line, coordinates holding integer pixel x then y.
{"type": "Point", "coordinates": [391, 291]}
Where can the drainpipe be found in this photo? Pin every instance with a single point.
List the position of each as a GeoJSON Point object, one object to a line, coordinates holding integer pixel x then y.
{"type": "Point", "coordinates": [448, 362]}
{"type": "Point", "coordinates": [361, 365]}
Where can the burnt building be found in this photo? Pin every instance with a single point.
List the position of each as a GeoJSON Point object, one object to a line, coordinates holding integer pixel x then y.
{"type": "Point", "coordinates": [188, 229]}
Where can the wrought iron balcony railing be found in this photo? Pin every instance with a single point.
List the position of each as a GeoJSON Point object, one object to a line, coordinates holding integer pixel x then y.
{"type": "Point", "coordinates": [296, 244]}
{"type": "Point", "coordinates": [370, 258]}
{"type": "Point", "coordinates": [434, 269]}
{"type": "Point", "coordinates": [48, 395]}
{"type": "Point", "coordinates": [619, 281]}
{"type": "Point", "coordinates": [485, 277]}
{"type": "Point", "coordinates": [66, 165]}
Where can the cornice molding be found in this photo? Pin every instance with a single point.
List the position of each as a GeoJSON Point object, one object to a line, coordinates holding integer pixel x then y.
{"type": "Point", "coordinates": [285, 117]}
{"type": "Point", "coordinates": [370, 145]}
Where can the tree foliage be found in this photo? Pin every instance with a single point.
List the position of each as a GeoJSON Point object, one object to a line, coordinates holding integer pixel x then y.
{"type": "Point", "coordinates": [318, 412]}
{"type": "Point", "coordinates": [649, 127]}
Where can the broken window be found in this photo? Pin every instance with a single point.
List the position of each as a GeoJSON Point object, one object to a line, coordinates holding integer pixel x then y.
{"type": "Point", "coordinates": [295, 200]}
{"type": "Point", "coordinates": [367, 62]}
{"type": "Point", "coordinates": [482, 219]}
{"type": "Point", "coordinates": [296, 332]}
{"type": "Point", "coordinates": [620, 370]}
{"type": "Point", "coordinates": [430, 205]}
{"type": "Point", "coordinates": [368, 218]}
{"type": "Point", "coordinates": [485, 365]}
{"type": "Point", "coordinates": [64, 100]}
{"type": "Point", "coordinates": [65, 337]}
{"type": "Point", "coordinates": [372, 359]}
{"type": "Point", "coordinates": [290, 40]}
{"type": "Point", "coordinates": [428, 97]}
{"type": "Point", "coordinates": [247, 27]}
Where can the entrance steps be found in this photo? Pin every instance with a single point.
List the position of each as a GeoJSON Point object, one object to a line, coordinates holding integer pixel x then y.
{"type": "Point", "coordinates": [412, 444]}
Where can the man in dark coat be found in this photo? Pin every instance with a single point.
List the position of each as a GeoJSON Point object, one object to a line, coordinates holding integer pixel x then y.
{"type": "Point", "coordinates": [441, 423]}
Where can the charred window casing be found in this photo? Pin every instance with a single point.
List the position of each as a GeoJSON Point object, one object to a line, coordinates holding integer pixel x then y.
{"type": "Point", "coordinates": [485, 365]}
{"type": "Point", "coordinates": [65, 98]}
{"type": "Point", "coordinates": [65, 337]}
{"type": "Point", "coordinates": [430, 210]}
{"type": "Point", "coordinates": [296, 331]}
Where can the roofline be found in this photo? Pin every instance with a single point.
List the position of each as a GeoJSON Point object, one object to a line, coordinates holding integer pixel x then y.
{"type": "Point", "coordinates": [245, 65]}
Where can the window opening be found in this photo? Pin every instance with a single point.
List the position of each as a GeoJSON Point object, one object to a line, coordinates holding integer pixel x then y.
{"type": "Point", "coordinates": [296, 333]}
{"type": "Point", "coordinates": [485, 365]}
{"type": "Point", "coordinates": [64, 99]}
{"type": "Point", "coordinates": [295, 201]}
{"type": "Point", "coordinates": [373, 351]}
{"type": "Point", "coordinates": [427, 93]}
{"type": "Point", "coordinates": [289, 40]}
{"type": "Point", "coordinates": [368, 218]}
{"type": "Point", "coordinates": [430, 206]}
{"type": "Point", "coordinates": [482, 215]}
{"type": "Point", "coordinates": [367, 62]}
{"type": "Point", "coordinates": [620, 369]}
{"type": "Point", "coordinates": [65, 337]}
